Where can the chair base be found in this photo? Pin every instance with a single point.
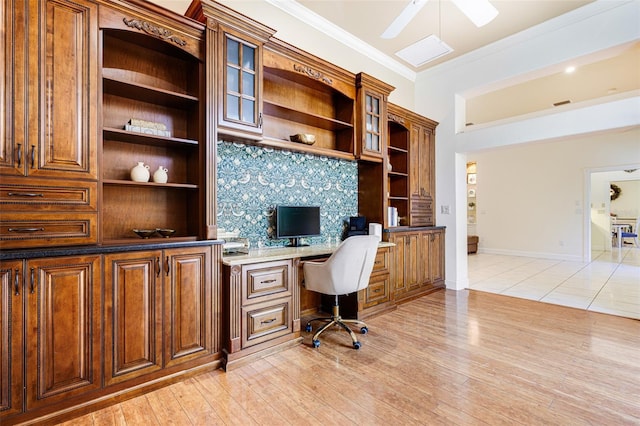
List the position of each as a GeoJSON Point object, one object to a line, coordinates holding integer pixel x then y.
{"type": "Point", "coordinates": [337, 320]}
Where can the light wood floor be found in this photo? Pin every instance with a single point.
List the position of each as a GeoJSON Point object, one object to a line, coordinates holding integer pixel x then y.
{"type": "Point", "coordinates": [448, 358]}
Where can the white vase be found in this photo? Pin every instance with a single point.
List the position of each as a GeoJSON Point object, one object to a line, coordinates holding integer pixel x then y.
{"type": "Point", "coordinates": [160, 175]}
{"type": "Point", "coordinates": [140, 173]}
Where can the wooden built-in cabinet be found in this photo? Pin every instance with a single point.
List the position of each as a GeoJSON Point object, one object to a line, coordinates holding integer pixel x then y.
{"type": "Point", "coordinates": [96, 314]}
{"type": "Point", "coordinates": [158, 310]}
{"type": "Point", "coordinates": [259, 308]}
{"type": "Point", "coordinates": [417, 267]}
{"type": "Point", "coordinates": [55, 305]}
{"type": "Point", "coordinates": [405, 179]}
{"type": "Point", "coordinates": [411, 166]}
{"type": "Point", "coordinates": [48, 133]}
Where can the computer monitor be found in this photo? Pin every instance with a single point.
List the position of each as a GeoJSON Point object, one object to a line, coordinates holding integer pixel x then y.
{"type": "Point", "coordinates": [296, 222]}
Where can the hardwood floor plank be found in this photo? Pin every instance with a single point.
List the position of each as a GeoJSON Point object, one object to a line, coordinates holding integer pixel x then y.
{"type": "Point", "coordinates": [463, 358]}
{"type": "Point", "coordinates": [137, 411]}
{"type": "Point", "coordinates": [109, 416]}
{"type": "Point", "coordinates": [165, 405]}
{"type": "Point", "coordinates": [226, 407]}
{"type": "Point", "coordinates": [199, 409]}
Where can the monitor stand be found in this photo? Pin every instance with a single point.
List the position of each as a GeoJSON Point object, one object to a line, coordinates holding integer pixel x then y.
{"type": "Point", "coordinates": [296, 242]}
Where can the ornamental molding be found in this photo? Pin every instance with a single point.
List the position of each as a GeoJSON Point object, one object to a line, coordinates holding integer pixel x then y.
{"type": "Point", "coordinates": [313, 74]}
{"type": "Point", "coordinates": [395, 118]}
{"type": "Point", "coordinates": [159, 32]}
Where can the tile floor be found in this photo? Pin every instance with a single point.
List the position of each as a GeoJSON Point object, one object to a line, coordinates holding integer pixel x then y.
{"type": "Point", "coordinates": [610, 283]}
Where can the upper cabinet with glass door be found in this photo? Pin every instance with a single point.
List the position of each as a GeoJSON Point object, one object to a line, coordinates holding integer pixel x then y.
{"type": "Point", "coordinates": [372, 97]}
{"type": "Point", "coordinates": [241, 107]}
{"type": "Point", "coordinates": [238, 41]}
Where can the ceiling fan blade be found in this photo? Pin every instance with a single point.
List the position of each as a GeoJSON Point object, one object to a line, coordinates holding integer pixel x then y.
{"type": "Point", "coordinates": [407, 14]}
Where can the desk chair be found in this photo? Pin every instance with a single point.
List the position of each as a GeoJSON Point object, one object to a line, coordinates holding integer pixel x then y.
{"type": "Point", "coordinates": [632, 233]}
{"type": "Point", "coordinates": [346, 271]}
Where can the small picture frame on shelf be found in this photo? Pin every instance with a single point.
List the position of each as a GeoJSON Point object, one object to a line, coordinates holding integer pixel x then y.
{"type": "Point", "coordinates": [471, 193]}
{"type": "Point", "coordinates": [471, 178]}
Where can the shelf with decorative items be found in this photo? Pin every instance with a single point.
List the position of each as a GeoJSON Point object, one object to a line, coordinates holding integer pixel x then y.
{"type": "Point", "coordinates": [304, 95]}
{"type": "Point", "coordinates": [152, 135]}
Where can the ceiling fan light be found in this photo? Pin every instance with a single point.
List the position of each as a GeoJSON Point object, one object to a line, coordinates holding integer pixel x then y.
{"type": "Point", "coordinates": [480, 12]}
{"type": "Point", "coordinates": [425, 50]}
{"type": "Point", "coordinates": [402, 20]}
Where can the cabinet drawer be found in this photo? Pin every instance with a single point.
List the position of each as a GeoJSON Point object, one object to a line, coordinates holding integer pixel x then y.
{"type": "Point", "coordinates": [265, 281]}
{"type": "Point", "coordinates": [266, 321]}
{"type": "Point", "coordinates": [421, 206]}
{"type": "Point", "coordinates": [43, 196]}
{"type": "Point", "coordinates": [21, 230]}
{"type": "Point", "coordinates": [377, 292]}
{"type": "Point", "coordinates": [381, 264]}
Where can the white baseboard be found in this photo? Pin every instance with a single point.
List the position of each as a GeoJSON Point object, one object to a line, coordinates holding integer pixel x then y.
{"type": "Point", "coordinates": [538, 255]}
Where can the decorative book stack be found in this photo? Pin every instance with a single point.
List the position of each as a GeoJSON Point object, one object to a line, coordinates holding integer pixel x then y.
{"type": "Point", "coordinates": [148, 127]}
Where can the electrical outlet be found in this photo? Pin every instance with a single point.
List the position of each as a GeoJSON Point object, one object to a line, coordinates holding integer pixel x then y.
{"type": "Point", "coordinates": [444, 209]}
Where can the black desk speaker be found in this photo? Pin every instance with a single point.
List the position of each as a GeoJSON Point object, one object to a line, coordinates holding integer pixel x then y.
{"type": "Point", "coordinates": [357, 223]}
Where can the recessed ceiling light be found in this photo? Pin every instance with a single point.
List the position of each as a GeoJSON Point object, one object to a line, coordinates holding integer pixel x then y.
{"type": "Point", "coordinates": [569, 69]}
{"type": "Point", "coordinates": [425, 50]}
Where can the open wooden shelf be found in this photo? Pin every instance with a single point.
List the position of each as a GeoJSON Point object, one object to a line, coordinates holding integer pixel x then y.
{"type": "Point", "coordinates": [304, 117]}
{"type": "Point", "coordinates": [122, 135]}
{"type": "Point", "coordinates": [149, 184]}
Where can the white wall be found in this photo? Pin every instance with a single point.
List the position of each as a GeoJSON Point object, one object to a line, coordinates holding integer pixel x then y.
{"type": "Point", "coordinates": [532, 198]}
{"type": "Point", "coordinates": [440, 94]}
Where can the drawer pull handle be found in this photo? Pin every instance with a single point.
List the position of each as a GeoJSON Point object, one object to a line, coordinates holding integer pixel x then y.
{"type": "Point", "coordinates": [25, 229]}
{"type": "Point", "coordinates": [19, 154]}
{"type": "Point", "coordinates": [268, 281]}
{"type": "Point", "coordinates": [33, 156]}
{"type": "Point", "coordinates": [377, 290]}
{"type": "Point", "coordinates": [24, 194]}
{"type": "Point", "coordinates": [269, 321]}
{"type": "Point", "coordinates": [33, 280]}
{"type": "Point", "coordinates": [17, 282]}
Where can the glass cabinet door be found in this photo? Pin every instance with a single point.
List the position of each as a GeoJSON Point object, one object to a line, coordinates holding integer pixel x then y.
{"type": "Point", "coordinates": [241, 108]}
{"type": "Point", "coordinates": [372, 124]}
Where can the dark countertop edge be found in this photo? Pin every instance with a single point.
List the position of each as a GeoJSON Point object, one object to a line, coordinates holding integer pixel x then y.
{"type": "Point", "coordinates": [98, 249]}
{"type": "Point", "coordinates": [412, 228]}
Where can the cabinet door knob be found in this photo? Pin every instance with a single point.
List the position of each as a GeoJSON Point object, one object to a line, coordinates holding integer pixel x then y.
{"type": "Point", "coordinates": [157, 266]}
{"type": "Point", "coordinates": [167, 267]}
{"type": "Point", "coordinates": [19, 154]}
{"type": "Point", "coordinates": [33, 156]}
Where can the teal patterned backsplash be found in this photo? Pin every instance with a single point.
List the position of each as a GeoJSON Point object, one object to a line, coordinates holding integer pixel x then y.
{"type": "Point", "coordinates": [252, 180]}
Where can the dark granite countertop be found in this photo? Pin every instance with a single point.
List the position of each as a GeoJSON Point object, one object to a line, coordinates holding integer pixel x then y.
{"type": "Point", "coordinates": [56, 251]}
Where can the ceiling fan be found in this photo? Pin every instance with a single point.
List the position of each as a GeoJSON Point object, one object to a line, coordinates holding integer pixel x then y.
{"type": "Point", "coordinates": [480, 12]}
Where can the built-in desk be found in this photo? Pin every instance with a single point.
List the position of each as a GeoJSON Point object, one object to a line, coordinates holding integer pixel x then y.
{"type": "Point", "coordinates": [262, 296]}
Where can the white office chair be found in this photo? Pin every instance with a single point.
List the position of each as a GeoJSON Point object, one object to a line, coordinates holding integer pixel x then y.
{"type": "Point", "coordinates": [346, 271]}
{"type": "Point", "coordinates": [632, 233]}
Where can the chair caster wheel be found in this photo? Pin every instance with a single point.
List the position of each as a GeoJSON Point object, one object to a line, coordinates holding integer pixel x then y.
{"type": "Point", "coordinates": [364, 330]}
{"type": "Point", "coordinates": [356, 345]}
{"type": "Point", "coordinates": [316, 343]}
{"type": "Point", "coordinates": [308, 328]}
